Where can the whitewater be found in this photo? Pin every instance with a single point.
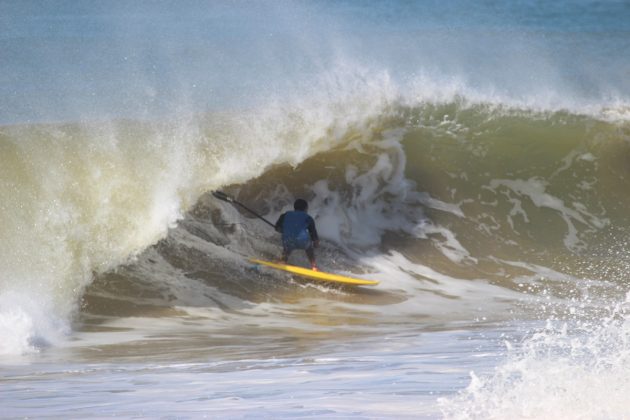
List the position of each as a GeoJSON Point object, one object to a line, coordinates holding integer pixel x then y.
{"type": "Point", "coordinates": [473, 158]}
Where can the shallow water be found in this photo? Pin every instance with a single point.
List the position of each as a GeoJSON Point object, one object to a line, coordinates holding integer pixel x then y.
{"type": "Point", "coordinates": [399, 375]}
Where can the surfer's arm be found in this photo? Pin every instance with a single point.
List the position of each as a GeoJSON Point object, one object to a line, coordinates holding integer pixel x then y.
{"type": "Point", "coordinates": [313, 231]}
{"type": "Point", "coordinates": [279, 223]}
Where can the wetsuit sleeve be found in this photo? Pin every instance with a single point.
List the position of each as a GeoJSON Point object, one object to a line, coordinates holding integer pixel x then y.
{"type": "Point", "coordinates": [312, 230]}
{"type": "Point", "coordinates": [279, 223]}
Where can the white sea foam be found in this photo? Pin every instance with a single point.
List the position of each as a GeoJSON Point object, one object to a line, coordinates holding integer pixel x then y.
{"type": "Point", "coordinates": [535, 190]}
{"type": "Point", "coordinates": [27, 325]}
{"type": "Point", "coordinates": [565, 370]}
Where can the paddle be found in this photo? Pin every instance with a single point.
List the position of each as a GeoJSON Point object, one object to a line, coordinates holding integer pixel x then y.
{"type": "Point", "coordinates": [227, 198]}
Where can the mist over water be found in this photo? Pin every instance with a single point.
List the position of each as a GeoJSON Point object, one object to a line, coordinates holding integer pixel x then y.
{"type": "Point", "coordinates": [471, 157]}
{"type": "Point", "coordinates": [96, 61]}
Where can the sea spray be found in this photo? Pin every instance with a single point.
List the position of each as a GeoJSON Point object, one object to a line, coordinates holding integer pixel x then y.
{"type": "Point", "coordinates": [568, 369]}
{"type": "Point", "coordinates": [492, 110]}
{"type": "Point", "coordinates": [28, 325]}
{"type": "Point", "coordinates": [87, 197]}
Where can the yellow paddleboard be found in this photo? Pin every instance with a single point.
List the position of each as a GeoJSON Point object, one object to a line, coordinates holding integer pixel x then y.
{"type": "Point", "coordinates": [316, 275]}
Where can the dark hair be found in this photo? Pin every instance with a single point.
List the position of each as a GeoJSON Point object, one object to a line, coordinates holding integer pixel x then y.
{"type": "Point", "coordinates": [300, 204]}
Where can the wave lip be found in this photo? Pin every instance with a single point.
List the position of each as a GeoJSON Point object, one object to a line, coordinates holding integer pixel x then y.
{"type": "Point", "coordinates": [88, 197]}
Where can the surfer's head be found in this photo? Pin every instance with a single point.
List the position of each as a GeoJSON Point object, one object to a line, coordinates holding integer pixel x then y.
{"type": "Point", "coordinates": [300, 205]}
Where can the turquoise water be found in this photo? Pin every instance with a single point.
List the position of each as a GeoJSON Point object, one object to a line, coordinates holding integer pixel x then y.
{"type": "Point", "coordinates": [68, 61]}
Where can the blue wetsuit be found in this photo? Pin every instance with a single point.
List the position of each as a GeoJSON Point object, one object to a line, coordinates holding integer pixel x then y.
{"type": "Point", "coordinates": [298, 230]}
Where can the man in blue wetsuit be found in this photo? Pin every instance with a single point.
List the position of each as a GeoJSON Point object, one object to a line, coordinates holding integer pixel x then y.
{"type": "Point", "coordinates": [298, 232]}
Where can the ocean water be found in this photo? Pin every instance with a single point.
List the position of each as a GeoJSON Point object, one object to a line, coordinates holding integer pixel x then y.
{"type": "Point", "coordinates": [472, 156]}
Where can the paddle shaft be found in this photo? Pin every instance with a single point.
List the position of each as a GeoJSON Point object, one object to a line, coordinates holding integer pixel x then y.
{"type": "Point", "coordinates": [227, 198]}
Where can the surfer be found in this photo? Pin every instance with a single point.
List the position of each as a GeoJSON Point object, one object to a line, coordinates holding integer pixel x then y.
{"type": "Point", "coordinates": [298, 232]}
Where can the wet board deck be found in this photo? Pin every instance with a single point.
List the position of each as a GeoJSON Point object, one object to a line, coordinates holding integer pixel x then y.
{"type": "Point", "coordinates": [317, 275]}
